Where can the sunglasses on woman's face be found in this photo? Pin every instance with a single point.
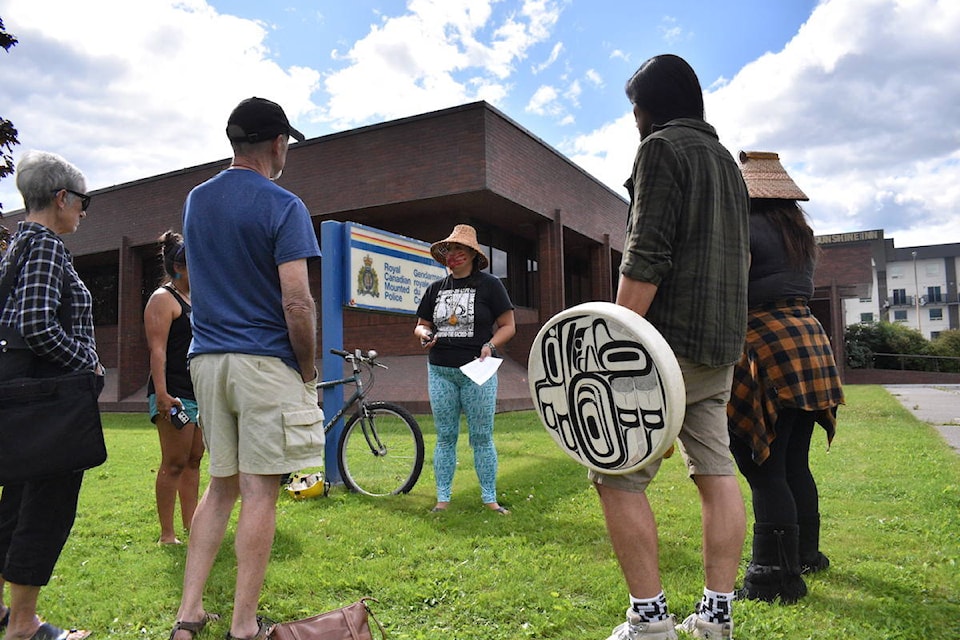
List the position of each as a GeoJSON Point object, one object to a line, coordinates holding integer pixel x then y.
{"type": "Point", "coordinates": [84, 198]}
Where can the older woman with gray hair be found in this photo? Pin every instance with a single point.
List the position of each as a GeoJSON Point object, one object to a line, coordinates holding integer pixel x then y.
{"type": "Point", "coordinates": [36, 516]}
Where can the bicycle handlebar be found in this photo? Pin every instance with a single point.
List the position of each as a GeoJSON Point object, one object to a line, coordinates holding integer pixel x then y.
{"type": "Point", "coordinates": [368, 358]}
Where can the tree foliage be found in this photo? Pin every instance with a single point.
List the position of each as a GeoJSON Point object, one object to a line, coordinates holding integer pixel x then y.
{"type": "Point", "coordinates": [8, 134]}
{"type": "Point", "coordinates": [865, 341]}
{"type": "Point", "coordinates": [947, 345]}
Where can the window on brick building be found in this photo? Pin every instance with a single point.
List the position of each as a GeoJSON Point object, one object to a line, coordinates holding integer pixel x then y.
{"type": "Point", "coordinates": [576, 279]}
{"type": "Point", "coordinates": [510, 260]}
{"type": "Point", "coordinates": [866, 318]}
{"type": "Point", "coordinates": [936, 314]}
{"type": "Point", "coordinates": [153, 275]}
{"type": "Point", "coordinates": [900, 315]}
{"type": "Point", "coordinates": [103, 281]}
{"type": "Point", "coordinates": [533, 282]}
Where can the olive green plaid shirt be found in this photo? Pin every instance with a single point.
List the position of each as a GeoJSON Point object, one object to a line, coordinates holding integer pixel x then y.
{"type": "Point", "coordinates": [688, 233]}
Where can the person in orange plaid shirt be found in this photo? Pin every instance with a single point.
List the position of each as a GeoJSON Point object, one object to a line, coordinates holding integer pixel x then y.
{"type": "Point", "coordinates": [785, 383]}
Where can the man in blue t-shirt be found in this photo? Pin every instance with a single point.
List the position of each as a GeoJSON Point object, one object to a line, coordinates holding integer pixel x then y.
{"type": "Point", "coordinates": [252, 355]}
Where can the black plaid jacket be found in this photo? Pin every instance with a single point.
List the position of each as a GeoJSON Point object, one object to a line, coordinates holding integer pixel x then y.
{"type": "Point", "coordinates": [787, 362]}
{"type": "Point", "coordinates": [34, 303]}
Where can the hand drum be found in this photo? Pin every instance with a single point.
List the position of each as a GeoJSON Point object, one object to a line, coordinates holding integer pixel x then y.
{"type": "Point", "coordinates": [607, 387]}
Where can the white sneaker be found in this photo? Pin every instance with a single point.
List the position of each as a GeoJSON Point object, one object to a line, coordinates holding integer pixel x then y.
{"type": "Point", "coordinates": [700, 628]}
{"type": "Point", "coordinates": [636, 629]}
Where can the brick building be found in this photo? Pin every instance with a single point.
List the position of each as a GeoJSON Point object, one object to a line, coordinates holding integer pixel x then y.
{"type": "Point", "coordinates": [543, 220]}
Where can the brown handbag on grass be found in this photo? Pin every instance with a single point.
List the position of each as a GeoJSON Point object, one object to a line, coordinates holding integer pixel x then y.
{"type": "Point", "coordinates": [346, 623]}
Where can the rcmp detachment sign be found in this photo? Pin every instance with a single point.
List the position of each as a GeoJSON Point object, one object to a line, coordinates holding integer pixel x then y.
{"type": "Point", "coordinates": [386, 271]}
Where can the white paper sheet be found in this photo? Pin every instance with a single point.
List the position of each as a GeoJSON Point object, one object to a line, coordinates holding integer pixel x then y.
{"type": "Point", "coordinates": [479, 371]}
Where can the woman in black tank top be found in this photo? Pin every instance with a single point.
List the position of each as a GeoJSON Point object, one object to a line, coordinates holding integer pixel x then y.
{"type": "Point", "coordinates": [173, 406]}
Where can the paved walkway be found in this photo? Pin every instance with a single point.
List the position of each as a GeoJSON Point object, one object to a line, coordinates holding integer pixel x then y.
{"type": "Point", "coordinates": [938, 405]}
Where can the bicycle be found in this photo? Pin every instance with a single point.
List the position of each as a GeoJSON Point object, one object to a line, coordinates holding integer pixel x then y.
{"type": "Point", "coordinates": [380, 451]}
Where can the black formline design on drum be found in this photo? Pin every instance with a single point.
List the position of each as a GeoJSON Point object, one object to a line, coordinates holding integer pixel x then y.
{"type": "Point", "coordinates": [599, 393]}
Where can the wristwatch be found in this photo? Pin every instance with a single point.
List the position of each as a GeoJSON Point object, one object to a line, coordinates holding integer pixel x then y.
{"type": "Point", "coordinates": [493, 349]}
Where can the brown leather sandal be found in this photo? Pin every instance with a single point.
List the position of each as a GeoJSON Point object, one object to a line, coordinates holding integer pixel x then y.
{"type": "Point", "coordinates": [264, 630]}
{"type": "Point", "coordinates": [193, 628]}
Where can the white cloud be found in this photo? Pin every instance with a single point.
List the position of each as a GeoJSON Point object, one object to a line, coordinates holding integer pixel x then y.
{"type": "Point", "coordinates": [670, 30]}
{"type": "Point", "coordinates": [572, 94]}
{"type": "Point", "coordinates": [94, 89]}
{"type": "Point", "coordinates": [414, 63]}
{"type": "Point", "coordinates": [544, 101]}
{"type": "Point", "coordinates": [594, 78]}
{"type": "Point", "coordinates": [608, 152]}
{"type": "Point", "coordinates": [94, 81]}
{"type": "Point", "coordinates": [863, 106]}
{"type": "Point", "coordinates": [554, 55]}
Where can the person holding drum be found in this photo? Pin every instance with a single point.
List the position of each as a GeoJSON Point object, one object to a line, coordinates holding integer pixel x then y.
{"type": "Point", "coordinates": [787, 348]}
{"type": "Point", "coordinates": [684, 269]}
{"type": "Point", "coordinates": [464, 316]}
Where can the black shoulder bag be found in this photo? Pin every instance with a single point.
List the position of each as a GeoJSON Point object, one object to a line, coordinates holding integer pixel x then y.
{"type": "Point", "coordinates": [49, 418]}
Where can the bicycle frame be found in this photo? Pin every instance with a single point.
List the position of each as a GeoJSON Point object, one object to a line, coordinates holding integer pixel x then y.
{"type": "Point", "coordinates": [358, 393]}
{"type": "Point", "coordinates": [391, 457]}
{"type": "Point", "coordinates": [357, 360]}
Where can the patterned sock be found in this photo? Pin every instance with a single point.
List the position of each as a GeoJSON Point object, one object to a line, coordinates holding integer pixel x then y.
{"type": "Point", "coordinates": [650, 609]}
{"type": "Point", "coordinates": [715, 606]}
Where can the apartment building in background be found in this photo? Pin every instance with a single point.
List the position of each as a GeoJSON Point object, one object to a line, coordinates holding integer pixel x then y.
{"type": "Point", "coordinates": [913, 286]}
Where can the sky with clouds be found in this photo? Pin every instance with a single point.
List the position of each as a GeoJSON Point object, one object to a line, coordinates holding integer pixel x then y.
{"type": "Point", "coordinates": [861, 98]}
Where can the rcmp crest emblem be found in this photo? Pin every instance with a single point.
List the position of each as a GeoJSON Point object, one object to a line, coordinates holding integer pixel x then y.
{"type": "Point", "coordinates": [368, 282]}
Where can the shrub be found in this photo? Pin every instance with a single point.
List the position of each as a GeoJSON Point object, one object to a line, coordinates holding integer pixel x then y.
{"type": "Point", "coordinates": [865, 341]}
{"type": "Point", "coordinates": [947, 345]}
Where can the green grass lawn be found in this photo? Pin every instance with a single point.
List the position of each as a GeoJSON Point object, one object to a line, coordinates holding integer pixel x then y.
{"type": "Point", "coordinates": [890, 502]}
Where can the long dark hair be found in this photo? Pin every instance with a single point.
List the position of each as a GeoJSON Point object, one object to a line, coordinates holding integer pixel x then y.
{"type": "Point", "coordinates": [666, 87]}
{"type": "Point", "coordinates": [791, 220]}
{"type": "Point", "coordinates": [171, 253]}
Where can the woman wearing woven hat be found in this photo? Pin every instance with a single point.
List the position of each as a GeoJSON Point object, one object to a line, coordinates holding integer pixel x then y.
{"type": "Point", "coordinates": [166, 321]}
{"type": "Point", "coordinates": [464, 316]}
{"type": "Point", "coordinates": [785, 382]}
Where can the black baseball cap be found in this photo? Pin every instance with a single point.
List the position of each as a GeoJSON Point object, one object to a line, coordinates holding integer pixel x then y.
{"type": "Point", "coordinates": [258, 119]}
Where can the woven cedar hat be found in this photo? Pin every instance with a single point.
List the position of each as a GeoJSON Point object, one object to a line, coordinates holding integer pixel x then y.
{"type": "Point", "coordinates": [462, 234]}
{"type": "Point", "coordinates": [766, 177]}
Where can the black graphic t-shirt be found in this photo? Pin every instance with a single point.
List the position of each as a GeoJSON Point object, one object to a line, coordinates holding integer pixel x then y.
{"type": "Point", "coordinates": [463, 311]}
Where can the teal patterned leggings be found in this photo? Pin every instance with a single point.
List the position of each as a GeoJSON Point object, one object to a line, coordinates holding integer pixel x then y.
{"type": "Point", "coordinates": [451, 392]}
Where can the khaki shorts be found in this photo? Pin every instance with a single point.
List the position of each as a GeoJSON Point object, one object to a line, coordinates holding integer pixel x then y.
{"type": "Point", "coordinates": [704, 439]}
{"type": "Point", "coordinates": [257, 415]}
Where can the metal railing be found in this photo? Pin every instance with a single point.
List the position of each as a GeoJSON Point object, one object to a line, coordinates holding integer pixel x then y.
{"type": "Point", "coordinates": [916, 362]}
{"type": "Point", "coordinates": [910, 301]}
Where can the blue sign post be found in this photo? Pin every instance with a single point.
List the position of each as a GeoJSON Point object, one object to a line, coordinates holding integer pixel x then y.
{"type": "Point", "coordinates": [331, 279]}
{"type": "Point", "coordinates": [364, 268]}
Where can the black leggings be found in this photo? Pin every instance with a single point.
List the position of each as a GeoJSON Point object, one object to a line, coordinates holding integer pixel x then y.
{"type": "Point", "coordinates": [783, 487]}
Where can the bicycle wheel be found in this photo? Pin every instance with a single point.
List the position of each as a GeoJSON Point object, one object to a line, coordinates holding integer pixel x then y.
{"type": "Point", "coordinates": [381, 450]}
